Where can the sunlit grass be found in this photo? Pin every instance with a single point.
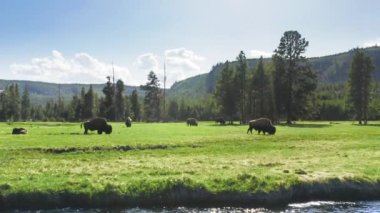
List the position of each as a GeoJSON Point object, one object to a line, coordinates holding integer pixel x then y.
{"type": "Point", "coordinates": [148, 158]}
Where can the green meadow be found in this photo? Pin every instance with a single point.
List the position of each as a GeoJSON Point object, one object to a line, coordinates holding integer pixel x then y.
{"type": "Point", "coordinates": [149, 159]}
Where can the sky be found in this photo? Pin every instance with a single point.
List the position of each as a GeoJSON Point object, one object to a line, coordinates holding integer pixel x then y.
{"type": "Point", "coordinates": [82, 41]}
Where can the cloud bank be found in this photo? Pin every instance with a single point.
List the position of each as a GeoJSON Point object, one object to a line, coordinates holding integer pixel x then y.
{"type": "Point", "coordinates": [181, 63]}
{"type": "Point", "coordinates": [81, 68]}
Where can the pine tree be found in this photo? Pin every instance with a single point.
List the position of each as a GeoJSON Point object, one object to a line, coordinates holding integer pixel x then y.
{"type": "Point", "coordinates": [259, 91]}
{"type": "Point", "coordinates": [88, 104]}
{"type": "Point", "coordinates": [225, 92]}
{"type": "Point", "coordinates": [183, 113]}
{"type": "Point", "coordinates": [75, 109]}
{"type": "Point", "coordinates": [135, 106]}
{"type": "Point", "coordinates": [241, 78]}
{"type": "Point", "coordinates": [294, 74]}
{"type": "Point", "coordinates": [12, 103]}
{"type": "Point", "coordinates": [152, 98]}
{"type": "Point", "coordinates": [25, 105]}
{"type": "Point", "coordinates": [119, 101]}
{"type": "Point", "coordinates": [127, 106]}
{"type": "Point", "coordinates": [173, 110]}
{"type": "Point", "coordinates": [360, 78]}
{"type": "Point", "coordinates": [108, 101]}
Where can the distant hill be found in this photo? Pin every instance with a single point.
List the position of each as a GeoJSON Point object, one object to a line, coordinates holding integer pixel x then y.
{"type": "Point", "coordinates": [42, 92]}
{"type": "Point", "coordinates": [330, 69]}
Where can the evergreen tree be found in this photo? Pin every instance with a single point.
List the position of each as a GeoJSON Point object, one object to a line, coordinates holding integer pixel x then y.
{"type": "Point", "coordinates": [360, 78]}
{"type": "Point", "coordinates": [259, 91]}
{"type": "Point", "coordinates": [127, 107]}
{"type": "Point", "coordinates": [241, 78]}
{"type": "Point", "coordinates": [38, 114]}
{"type": "Point", "coordinates": [25, 105]}
{"type": "Point", "coordinates": [12, 103]}
{"type": "Point", "coordinates": [225, 92]}
{"type": "Point", "coordinates": [135, 106]}
{"type": "Point", "coordinates": [75, 109]}
{"type": "Point", "coordinates": [279, 83]}
{"type": "Point", "coordinates": [152, 98]}
{"type": "Point", "coordinates": [88, 104]}
{"type": "Point", "coordinates": [294, 74]}
{"type": "Point", "coordinates": [108, 101]}
{"type": "Point", "coordinates": [183, 113]}
{"type": "Point", "coordinates": [173, 110]}
{"type": "Point", "coordinates": [3, 105]}
{"type": "Point", "coordinates": [119, 101]}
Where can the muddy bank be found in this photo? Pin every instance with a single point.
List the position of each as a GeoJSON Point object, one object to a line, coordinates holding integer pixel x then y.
{"type": "Point", "coordinates": [182, 195]}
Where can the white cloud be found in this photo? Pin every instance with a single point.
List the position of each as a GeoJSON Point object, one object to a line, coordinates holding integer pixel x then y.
{"type": "Point", "coordinates": [180, 63]}
{"type": "Point", "coordinates": [259, 53]}
{"type": "Point", "coordinates": [81, 68]}
{"type": "Point", "coordinates": [147, 61]}
{"type": "Point", "coordinates": [372, 43]}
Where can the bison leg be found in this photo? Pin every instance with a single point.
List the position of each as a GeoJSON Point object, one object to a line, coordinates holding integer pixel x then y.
{"type": "Point", "coordinates": [249, 130]}
{"type": "Point", "coordinates": [100, 132]}
{"type": "Point", "coordinates": [85, 131]}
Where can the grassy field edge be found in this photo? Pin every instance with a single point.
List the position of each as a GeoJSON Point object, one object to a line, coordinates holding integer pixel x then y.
{"type": "Point", "coordinates": [182, 194]}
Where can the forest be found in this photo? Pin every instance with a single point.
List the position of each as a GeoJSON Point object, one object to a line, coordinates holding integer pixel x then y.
{"type": "Point", "coordinates": [287, 87]}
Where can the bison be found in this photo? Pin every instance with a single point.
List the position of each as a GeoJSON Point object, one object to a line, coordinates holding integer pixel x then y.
{"type": "Point", "coordinates": [221, 121]}
{"type": "Point", "coordinates": [18, 131]}
{"type": "Point", "coordinates": [191, 122]}
{"type": "Point", "coordinates": [99, 124]}
{"type": "Point", "coordinates": [128, 122]}
{"type": "Point", "coordinates": [262, 125]}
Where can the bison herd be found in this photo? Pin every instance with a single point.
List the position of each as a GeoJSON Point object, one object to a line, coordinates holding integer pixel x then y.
{"type": "Point", "coordinates": [100, 125]}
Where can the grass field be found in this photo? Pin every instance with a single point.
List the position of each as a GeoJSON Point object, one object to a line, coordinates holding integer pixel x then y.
{"type": "Point", "coordinates": [145, 161]}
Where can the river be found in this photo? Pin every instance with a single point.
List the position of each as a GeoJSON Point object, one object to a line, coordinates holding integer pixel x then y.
{"type": "Point", "coordinates": [310, 207]}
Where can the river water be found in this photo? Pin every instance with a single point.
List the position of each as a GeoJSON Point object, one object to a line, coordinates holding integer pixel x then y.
{"type": "Point", "coordinates": [310, 207]}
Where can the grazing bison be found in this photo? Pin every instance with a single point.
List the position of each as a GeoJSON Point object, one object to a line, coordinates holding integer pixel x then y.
{"type": "Point", "coordinates": [191, 122]}
{"type": "Point", "coordinates": [99, 124]}
{"type": "Point", "coordinates": [221, 121]}
{"type": "Point", "coordinates": [262, 125]}
{"type": "Point", "coordinates": [18, 131]}
{"type": "Point", "coordinates": [128, 122]}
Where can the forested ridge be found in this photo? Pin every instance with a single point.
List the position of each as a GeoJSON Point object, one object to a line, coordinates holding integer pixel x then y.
{"type": "Point", "coordinates": [197, 96]}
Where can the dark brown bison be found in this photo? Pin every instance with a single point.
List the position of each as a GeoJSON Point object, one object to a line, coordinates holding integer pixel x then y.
{"type": "Point", "coordinates": [262, 125]}
{"type": "Point", "coordinates": [128, 122]}
{"type": "Point", "coordinates": [18, 131]}
{"type": "Point", "coordinates": [191, 122]}
{"type": "Point", "coordinates": [221, 121]}
{"type": "Point", "coordinates": [99, 124]}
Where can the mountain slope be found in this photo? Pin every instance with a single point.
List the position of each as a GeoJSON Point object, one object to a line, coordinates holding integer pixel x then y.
{"type": "Point", "coordinates": [330, 69]}
{"type": "Point", "coordinates": [42, 92]}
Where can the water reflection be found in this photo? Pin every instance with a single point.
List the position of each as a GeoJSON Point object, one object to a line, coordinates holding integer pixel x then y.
{"type": "Point", "coordinates": [310, 207]}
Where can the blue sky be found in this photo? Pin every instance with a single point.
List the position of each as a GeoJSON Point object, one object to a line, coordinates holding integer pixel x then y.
{"type": "Point", "coordinates": [77, 40]}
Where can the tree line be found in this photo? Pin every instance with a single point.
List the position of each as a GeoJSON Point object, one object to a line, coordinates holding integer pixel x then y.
{"type": "Point", "coordinates": [113, 104]}
{"type": "Point", "coordinates": [286, 88]}
{"type": "Point", "coordinates": [283, 88]}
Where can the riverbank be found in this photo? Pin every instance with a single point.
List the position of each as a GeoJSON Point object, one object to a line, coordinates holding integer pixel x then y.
{"type": "Point", "coordinates": [55, 166]}
{"type": "Point", "coordinates": [182, 195]}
